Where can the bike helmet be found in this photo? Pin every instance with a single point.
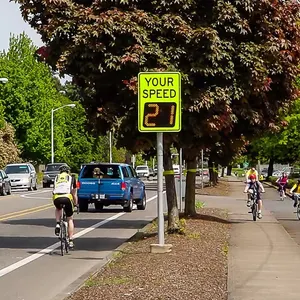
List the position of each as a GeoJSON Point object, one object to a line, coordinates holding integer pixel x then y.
{"type": "Point", "coordinates": [252, 176]}
{"type": "Point", "coordinates": [64, 168]}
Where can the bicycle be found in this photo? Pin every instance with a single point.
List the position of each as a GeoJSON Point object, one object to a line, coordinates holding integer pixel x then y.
{"type": "Point", "coordinates": [64, 236]}
{"type": "Point", "coordinates": [254, 206]}
{"type": "Point", "coordinates": [281, 192]}
{"type": "Point", "coordinates": [296, 198]}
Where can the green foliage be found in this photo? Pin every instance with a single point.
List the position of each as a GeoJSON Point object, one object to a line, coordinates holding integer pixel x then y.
{"type": "Point", "coordinates": [283, 144]}
{"type": "Point", "coordinates": [9, 151]}
{"type": "Point", "coordinates": [199, 204]}
{"type": "Point", "coordinates": [26, 102]}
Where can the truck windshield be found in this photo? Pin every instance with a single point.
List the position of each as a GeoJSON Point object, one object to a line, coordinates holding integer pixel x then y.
{"type": "Point", "coordinates": [106, 171]}
{"type": "Point", "coordinates": [51, 168]}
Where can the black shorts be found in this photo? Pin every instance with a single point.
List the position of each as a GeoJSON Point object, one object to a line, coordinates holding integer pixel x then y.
{"type": "Point", "coordinates": [58, 202]}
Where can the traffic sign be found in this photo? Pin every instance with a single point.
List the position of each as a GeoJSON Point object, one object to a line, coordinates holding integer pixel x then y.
{"type": "Point", "coordinates": [159, 104]}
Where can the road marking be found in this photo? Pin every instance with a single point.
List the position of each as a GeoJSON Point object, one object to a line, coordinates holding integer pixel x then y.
{"type": "Point", "coordinates": [25, 212]}
{"type": "Point", "coordinates": [27, 195]}
{"type": "Point", "coordinates": [51, 248]}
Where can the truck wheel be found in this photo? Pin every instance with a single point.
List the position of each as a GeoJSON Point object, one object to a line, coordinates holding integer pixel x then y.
{"type": "Point", "coordinates": [83, 205]}
{"type": "Point", "coordinates": [129, 206]}
{"type": "Point", "coordinates": [141, 205]}
{"type": "Point", "coordinates": [98, 206]}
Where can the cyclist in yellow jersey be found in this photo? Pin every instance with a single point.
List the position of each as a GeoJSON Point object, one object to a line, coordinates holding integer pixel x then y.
{"type": "Point", "coordinates": [250, 172]}
{"type": "Point", "coordinates": [65, 193]}
{"type": "Point", "coordinates": [295, 190]}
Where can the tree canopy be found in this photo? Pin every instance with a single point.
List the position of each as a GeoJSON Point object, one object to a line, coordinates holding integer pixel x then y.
{"type": "Point", "coordinates": [238, 59]}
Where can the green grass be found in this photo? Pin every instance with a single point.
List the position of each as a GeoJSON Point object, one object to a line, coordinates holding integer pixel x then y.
{"type": "Point", "coordinates": [225, 249]}
{"type": "Point", "coordinates": [199, 204]}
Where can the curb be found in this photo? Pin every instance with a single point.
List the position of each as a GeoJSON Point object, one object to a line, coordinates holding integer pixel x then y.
{"type": "Point", "coordinates": [80, 281]}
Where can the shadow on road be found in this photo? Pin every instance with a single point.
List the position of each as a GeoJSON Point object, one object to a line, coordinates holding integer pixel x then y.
{"type": "Point", "coordinates": [35, 244]}
{"type": "Point", "coordinates": [79, 223]}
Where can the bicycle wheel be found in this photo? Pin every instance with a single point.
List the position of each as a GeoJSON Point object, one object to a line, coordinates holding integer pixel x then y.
{"type": "Point", "coordinates": [298, 211]}
{"type": "Point", "coordinates": [254, 211]}
{"type": "Point", "coordinates": [66, 242]}
{"type": "Point", "coordinates": [62, 238]}
{"type": "Point", "coordinates": [281, 194]}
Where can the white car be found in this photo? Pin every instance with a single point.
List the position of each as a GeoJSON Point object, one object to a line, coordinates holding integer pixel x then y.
{"type": "Point", "coordinates": [22, 176]}
{"type": "Point", "coordinates": [142, 171]}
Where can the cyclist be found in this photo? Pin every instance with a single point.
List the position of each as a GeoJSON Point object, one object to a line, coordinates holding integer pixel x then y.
{"type": "Point", "coordinates": [65, 193]}
{"type": "Point", "coordinates": [255, 184]}
{"type": "Point", "coordinates": [295, 190]}
{"type": "Point", "coordinates": [250, 172]}
{"type": "Point", "coordinates": [282, 181]}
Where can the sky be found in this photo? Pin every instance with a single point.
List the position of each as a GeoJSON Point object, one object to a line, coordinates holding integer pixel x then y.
{"type": "Point", "coordinates": [11, 21]}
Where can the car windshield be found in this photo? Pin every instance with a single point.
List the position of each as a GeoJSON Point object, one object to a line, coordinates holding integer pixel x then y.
{"type": "Point", "coordinates": [107, 171]}
{"type": "Point", "coordinates": [18, 169]}
{"type": "Point", "coordinates": [141, 168]}
{"type": "Point", "coordinates": [51, 168]}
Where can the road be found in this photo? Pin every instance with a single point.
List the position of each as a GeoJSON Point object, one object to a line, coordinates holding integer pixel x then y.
{"type": "Point", "coordinates": [31, 267]}
{"type": "Point", "coordinates": [283, 211]}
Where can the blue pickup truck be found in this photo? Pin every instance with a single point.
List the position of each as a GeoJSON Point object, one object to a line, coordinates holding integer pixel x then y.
{"type": "Point", "coordinates": [118, 184]}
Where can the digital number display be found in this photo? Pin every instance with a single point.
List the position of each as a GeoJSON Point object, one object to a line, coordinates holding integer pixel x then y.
{"type": "Point", "coordinates": [159, 114]}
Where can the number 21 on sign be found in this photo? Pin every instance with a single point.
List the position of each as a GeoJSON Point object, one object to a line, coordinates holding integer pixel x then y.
{"type": "Point", "coordinates": [159, 114]}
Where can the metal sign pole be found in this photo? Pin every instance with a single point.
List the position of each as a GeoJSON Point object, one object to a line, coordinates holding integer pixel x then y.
{"type": "Point", "coordinates": [180, 179]}
{"type": "Point", "coordinates": [160, 183]}
{"type": "Point", "coordinates": [202, 168]}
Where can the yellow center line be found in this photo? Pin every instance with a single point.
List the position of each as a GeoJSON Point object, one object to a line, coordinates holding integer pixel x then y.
{"type": "Point", "coordinates": [25, 212]}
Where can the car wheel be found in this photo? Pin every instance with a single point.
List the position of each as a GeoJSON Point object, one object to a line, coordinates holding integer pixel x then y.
{"type": "Point", "coordinates": [35, 187]}
{"type": "Point", "coordinates": [142, 203]}
{"type": "Point", "coordinates": [83, 205]}
{"type": "Point", "coordinates": [9, 190]}
{"type": "Point", "coordinates": [30, 187]}
{"type": "Point", "coordinates": [3, 191]}
{"type": "Point", "coordinates": [129, 207]}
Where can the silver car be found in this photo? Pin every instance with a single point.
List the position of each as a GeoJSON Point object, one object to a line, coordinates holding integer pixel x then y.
{"type": "Point", "coordinates": [22, 176]}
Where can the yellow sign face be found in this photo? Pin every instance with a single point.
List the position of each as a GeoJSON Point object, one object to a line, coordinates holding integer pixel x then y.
{"type": "Point", "coordinates": [159, 103]}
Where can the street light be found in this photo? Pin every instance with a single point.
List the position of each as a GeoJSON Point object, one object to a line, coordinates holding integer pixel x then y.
{"type": "Point", "coordinates": [3, 80]}
{"type": "Point", "coordinates": [52, 121]}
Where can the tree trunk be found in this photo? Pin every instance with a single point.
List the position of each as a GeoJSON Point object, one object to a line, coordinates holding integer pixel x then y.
{"type": "Point", "coordinates": [271, 167]}
{"type": "Point", "coordinates": [223, 172]}
{"type": "Point", "coordinates": [213, 175]}
{"type": "Point", "coordinates": [173, 214]}
{"type": "Point", "coordinates": [190, 191]}
{"type": "Point", "coordinates": [229, 170]}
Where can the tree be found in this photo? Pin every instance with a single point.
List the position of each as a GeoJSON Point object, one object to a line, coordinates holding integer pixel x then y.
{"type": "Point", "coordinates": [28, 98]}
{"type": "Point", "coordinates": [238, 66]}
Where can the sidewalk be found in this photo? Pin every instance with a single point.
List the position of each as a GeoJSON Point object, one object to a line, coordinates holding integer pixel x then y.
{"type": "Point", "coordinates": [264, 261]}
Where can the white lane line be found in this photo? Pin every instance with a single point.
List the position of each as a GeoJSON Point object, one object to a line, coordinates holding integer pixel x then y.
{"type": "Point", "coordinates": [27, 195]}
{"type": "Point", "coordinates": [49, 249]}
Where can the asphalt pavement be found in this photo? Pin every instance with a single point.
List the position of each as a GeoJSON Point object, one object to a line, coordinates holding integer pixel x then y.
{"type": "Point", "coordinates": [31, 267]}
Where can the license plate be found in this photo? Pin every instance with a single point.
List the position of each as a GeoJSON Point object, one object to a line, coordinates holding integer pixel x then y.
{"type": "Point", "coordinates": [98, 196]}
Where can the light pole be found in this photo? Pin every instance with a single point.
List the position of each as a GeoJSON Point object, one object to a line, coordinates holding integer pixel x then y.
{"type": "Point", "coordinates": [52, 134]}
{"type": "Point", "coordinates": [3, 80]}
{"type": "Point", "coordinates": [110, 148]}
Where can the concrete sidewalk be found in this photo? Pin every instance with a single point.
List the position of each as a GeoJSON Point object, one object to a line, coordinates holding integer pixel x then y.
{"type": "Point", "coordinates": [264, 261]}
